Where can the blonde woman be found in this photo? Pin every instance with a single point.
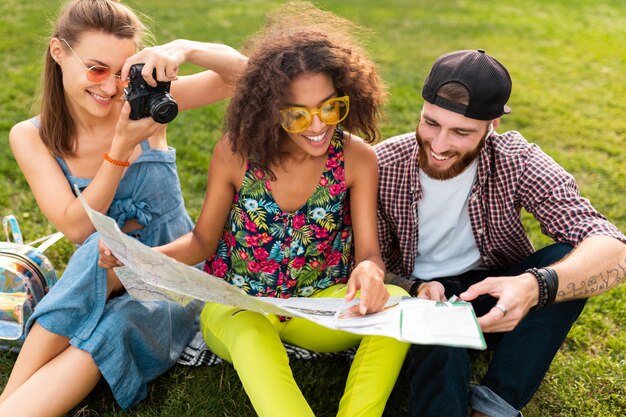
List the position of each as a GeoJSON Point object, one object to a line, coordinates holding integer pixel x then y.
{"type": "Point", "coordinates": [87, 327]}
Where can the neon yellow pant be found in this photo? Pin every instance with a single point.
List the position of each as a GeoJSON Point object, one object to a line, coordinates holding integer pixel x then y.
{"type": "Point", "coordinates": [252, 342]}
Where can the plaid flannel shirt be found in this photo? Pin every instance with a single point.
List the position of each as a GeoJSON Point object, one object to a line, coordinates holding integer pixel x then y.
{"type": "Point", "coordinates": [512, 174]}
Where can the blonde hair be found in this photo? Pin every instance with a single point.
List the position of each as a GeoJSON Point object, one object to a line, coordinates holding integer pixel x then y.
{"type": "Point", "coordinates": [57, 129]}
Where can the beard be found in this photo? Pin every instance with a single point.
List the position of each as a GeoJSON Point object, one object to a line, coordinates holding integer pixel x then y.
{"type": "Point", "coordinates": [463, 161]}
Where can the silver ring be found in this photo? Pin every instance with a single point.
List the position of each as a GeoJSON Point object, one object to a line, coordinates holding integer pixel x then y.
{"type": "Point", "coordinates": [502, 308]}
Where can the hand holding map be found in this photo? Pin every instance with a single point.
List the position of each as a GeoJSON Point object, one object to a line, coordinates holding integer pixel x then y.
{"type": "Point", "coordinates": [149, 275]}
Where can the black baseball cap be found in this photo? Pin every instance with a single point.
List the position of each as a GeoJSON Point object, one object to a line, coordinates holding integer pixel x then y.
{"type": "Point", "coordinates": [486, 79]}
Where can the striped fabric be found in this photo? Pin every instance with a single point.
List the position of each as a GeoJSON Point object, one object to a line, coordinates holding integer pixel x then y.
{"type": "Point", "coordinates": [197, 353]}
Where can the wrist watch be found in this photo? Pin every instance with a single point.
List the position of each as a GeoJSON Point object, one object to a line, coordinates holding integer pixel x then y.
{"type": "Point", "coordinates": [415, 287]}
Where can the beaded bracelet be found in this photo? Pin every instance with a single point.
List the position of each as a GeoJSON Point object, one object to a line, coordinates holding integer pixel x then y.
{"type": "Point", "coordinates": [115, 161]}
{"type": "Point", "coordinates": [548, 281]}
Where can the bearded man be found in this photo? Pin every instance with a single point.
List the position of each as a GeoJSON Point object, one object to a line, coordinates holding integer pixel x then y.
{"type": "Point", "coordinates": [450, 196]}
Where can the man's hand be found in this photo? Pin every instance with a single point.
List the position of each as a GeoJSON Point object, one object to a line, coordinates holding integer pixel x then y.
{"type": "Point", "coordinates": [432, 290]}
{"type": "Point", "coordinates": [515, 295]}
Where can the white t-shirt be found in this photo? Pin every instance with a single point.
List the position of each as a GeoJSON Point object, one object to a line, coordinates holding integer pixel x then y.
{"type": "Point", "coordinates": [446, 245]}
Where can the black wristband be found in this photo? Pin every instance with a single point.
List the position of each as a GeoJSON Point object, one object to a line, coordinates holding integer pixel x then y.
{"type": "Point", "coordinates": [552, 279]}
{"type": "Point", "coordinates": [548, 281]}
{"type": "Point", "coordinates": [415, 287]}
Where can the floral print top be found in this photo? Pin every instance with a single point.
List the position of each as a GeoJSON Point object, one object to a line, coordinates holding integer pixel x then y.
{"type": "Point", "coordinates": [269, 252]}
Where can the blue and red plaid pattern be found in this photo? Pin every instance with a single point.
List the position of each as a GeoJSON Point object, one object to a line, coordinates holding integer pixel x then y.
{"type": "Point", "coordinates": [512, 174]}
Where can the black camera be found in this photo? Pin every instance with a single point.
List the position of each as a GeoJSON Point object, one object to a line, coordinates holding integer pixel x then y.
{"type": "Point", "coordinates": [146, 100]}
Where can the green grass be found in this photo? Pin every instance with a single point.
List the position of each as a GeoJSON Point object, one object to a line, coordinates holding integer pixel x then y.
{"type": "Point", "coordinates": [567, 60]}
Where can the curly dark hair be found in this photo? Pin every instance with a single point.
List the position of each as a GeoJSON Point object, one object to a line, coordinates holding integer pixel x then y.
{"type": "Point", "coordinates": [300, 39]}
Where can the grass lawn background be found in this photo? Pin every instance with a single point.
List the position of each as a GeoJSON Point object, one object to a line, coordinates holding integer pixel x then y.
{"type": "Point", "coordinates": [567, 60]}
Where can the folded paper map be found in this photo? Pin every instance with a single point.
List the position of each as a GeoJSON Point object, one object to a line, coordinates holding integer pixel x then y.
{"type": "Point", "coordinates": [149, 275]}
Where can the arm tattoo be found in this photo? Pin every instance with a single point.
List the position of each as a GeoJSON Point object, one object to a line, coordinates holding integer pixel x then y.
{"type": "Point", "coordinates": [597, 283]}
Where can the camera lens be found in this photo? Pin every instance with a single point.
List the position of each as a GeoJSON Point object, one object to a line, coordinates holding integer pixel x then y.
{"type": "Point", "coordinates": [163, 108]}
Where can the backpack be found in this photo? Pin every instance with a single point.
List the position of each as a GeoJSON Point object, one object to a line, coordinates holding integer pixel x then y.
{"type": "Point", "coordinates": [26, 276]}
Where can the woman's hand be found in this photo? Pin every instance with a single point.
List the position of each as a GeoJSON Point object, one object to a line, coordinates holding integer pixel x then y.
{"type": "Point", "coordinates": [129, 133]}
{"type": "Point", "coordinates": [166, 59]}
{"type": "Point", "coordinates": [368, 278]}
{"type": "Point", "coordinates": [106, 260]}
{"type": "Point", "coordinates": [222, 65]}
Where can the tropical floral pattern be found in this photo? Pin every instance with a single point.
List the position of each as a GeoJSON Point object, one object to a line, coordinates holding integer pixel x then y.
{"type": "Point", "coordinates": [273, 253]}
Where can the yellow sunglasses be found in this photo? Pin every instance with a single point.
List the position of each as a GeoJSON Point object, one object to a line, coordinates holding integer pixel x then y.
{"type": "Point", "coordinates": [298, 119]}
{"type": "Point", "coordinates": [97, 73]}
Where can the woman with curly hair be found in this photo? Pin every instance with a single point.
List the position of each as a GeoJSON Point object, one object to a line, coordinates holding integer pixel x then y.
{"type": "Point", "coordinates": [290, 210]}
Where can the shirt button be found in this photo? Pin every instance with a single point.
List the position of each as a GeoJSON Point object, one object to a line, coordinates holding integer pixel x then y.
{"type": "Point", "coordinates": [480, 231]}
